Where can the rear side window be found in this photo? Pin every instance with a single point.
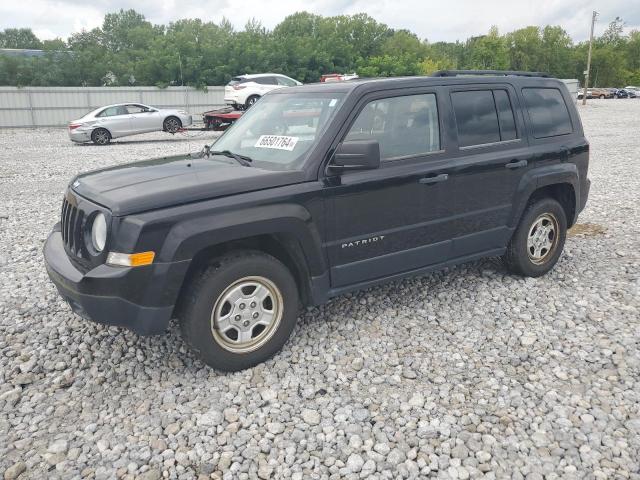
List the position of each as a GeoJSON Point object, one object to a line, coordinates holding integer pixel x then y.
{"type": "Point", "coordinates": [266, 80]}
{"type": "Point", "coordinates": [483, 117]}
{"type": "Point", "coordinates": [235, 81]}
{"type": "Point", "coordinates": [505, 115]}
{"type": "Point", "coordinates": [113, 111]}
{"type": "Point", "coordinates": [476, 117]}
{"type": "Point", "coordinates": [548, 112]}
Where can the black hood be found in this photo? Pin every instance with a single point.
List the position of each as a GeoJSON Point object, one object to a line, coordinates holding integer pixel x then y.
{"type": "Point", "coordinates": [169, 181]}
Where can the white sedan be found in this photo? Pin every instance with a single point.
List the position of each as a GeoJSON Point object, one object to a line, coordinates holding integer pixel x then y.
{"type": "Point", "coordinates": [121, 120]}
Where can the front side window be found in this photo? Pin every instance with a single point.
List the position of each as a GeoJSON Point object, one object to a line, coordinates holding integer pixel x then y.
{"type": "Point", "coordinates": [548, 112]}
{"type": "Point", "coordinates": [279, 131]}
{"type": "Point", "coordinates": [403, 126]}
{"type": "Point", "coordinates": [132, 109]}
{"type": "Point", "coordinates": [285, 82]}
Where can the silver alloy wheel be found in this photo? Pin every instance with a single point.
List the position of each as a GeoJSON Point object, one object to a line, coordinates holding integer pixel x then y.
{"type": "Point", "coordinates": [542, 240]}
{"type": "Point", "coordinates": [247, 314]}
{"type": "Point", "coordinates": [251, 101]}
{"type": "Point", "coordinates": [101, 136]}
{"type": "Point", "coordinates": [171, 125]}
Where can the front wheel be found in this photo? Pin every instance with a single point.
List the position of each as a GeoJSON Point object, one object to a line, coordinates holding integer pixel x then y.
{"type": "Point", "coordinates": [539, 239]}
{"type": "Point", "coordinates": [240, 311]}
{"type": "Point", "coordinates": [172, 124]}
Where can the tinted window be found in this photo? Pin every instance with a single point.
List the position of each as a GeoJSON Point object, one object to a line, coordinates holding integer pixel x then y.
{"type": "Point", "coordinates": [287, 82]}
{"type": "Point", "coordinates": [235, 81]}
{"type": "Point", "coordinates": [548, 112]}
{"type": "Point", "coordinates": [505, 115]}
{"type": "Point", "coordinates": [404, 126]}
{"type": "Point", "coordinates": [265, 80]}
{"type": "Point", "coordinates": [476, 117]}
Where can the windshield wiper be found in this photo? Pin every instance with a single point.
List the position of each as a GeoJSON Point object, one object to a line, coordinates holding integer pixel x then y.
{"type": "Point", "coordinates": [241, 159]}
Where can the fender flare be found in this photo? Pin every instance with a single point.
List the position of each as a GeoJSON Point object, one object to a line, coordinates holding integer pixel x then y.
{"type": "Point", "coordinates": [186, 238]}
{"type": "Point", "coordinates": [537, 178]}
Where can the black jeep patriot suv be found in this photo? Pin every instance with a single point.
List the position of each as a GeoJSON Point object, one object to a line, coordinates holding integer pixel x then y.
{"type": "Point", "coordinates": [318, 190]}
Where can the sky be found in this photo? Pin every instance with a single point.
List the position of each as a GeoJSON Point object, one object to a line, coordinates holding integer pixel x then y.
{"type": "Point", "coordinates": [429, 19]}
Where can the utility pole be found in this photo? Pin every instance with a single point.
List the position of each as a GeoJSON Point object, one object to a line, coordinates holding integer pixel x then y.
{"type": "Point", "coordinates": [586, 79]}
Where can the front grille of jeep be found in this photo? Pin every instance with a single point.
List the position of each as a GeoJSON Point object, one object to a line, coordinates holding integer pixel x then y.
{"type": "Point", "coordinates": [72, 228]}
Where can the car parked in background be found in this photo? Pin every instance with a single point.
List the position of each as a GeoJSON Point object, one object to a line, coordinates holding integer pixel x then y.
{"type": "Point", "coordinates": [245, 90]}
{"type": "Point", "coordinates": [633, 91]}
{"type": "Point", "coordinates": [601, 93]}
{"type": "Point", "coordinates": [123, 119]}
{"type": "Point", "coordinates": [338, 77]}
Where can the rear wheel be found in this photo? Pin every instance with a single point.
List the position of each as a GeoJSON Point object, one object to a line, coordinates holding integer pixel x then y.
{"type": "Point", "coordinates": [172, 124]}
{"type": "Point", "coordinates": [100, 136]}
{"type": "Point", "coordinates": [539, 239]}
{"type": "Point", "coordinates": [251, 100]}
{"type": "Point", "coordinates": [240, 311]}
{"type": "Point", "coordinates": [601, 96]}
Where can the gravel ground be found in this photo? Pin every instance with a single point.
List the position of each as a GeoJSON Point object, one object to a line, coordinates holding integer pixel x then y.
{"type": "Point", "coordinates": [467, 373]}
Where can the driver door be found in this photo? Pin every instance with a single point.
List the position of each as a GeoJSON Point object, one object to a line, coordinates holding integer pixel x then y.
{"type": "Point", "coordinates": [392, 219]}
{"type": "Point", "coordinates": [143, 119]}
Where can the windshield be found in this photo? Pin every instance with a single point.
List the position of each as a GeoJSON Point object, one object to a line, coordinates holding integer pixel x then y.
{"type": "Point", "coordinates": [279, 130]}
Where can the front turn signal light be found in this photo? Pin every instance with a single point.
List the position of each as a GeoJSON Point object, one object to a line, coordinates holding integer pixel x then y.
{"type": "Point", "coordinates": [130, 259]}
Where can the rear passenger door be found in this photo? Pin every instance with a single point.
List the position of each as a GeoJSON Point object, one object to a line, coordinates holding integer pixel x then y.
{"type": "Point", "coordinates": [490, 159]}
{"type": "Point", "coordinates": [266, 84]}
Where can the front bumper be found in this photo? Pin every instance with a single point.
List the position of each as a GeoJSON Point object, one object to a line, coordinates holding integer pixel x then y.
{"type": "Point", "coordinates": [135, 298]}
{"type": "Point", "coordinates": [186, 120]}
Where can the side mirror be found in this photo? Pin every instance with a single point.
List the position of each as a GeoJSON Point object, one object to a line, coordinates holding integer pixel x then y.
{"type": "Point", "coordinates": [357, 155]}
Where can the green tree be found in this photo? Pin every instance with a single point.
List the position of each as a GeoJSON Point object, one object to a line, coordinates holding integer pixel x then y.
{"type": "Point", "coordinates": [19, 38]}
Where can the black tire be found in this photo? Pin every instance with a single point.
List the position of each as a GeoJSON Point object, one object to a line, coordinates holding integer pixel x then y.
{"type": "Point", "coordinates": [601, 97]}
{"type": "Point", "coordinates": [207, 293]}
{"type": "Point", "coordinates": [521, 256]}
{"type": "Point", "coordinates": [172, 124]}
{"type": "Point", "coordinates": [101, 136]}
{"type": "Point", "coordinates": [251, 100]}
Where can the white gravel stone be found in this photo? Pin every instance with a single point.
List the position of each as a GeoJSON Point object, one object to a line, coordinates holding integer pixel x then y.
{"type": "Point", "coordinates": [531, 378]}
{"type": "Point", "coordinates": [310, 417]}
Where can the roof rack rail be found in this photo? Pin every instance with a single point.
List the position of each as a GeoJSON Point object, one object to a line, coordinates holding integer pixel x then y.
{"type": "Point", "coordinates": [505, 73]}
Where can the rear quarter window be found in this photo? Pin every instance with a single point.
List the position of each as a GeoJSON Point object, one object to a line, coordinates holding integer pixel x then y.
{"type": "Point", "coordinates": [548, 112]}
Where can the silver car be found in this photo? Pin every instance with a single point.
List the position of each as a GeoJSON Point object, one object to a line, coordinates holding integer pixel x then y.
{"type": "Point", "coordinates": [124, 119]}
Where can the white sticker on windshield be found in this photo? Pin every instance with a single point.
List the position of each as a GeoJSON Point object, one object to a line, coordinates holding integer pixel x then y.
{"type": "Point", "coordinates": [279, 142]}
{"type": "Point", "coordinates": [333, 102]}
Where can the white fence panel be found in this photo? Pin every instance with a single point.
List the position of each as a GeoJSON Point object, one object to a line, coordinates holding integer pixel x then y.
{"type": "Point", "coordinates": [56, 106]}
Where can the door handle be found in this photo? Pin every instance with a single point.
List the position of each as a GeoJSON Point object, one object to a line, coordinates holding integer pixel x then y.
{"type": "Point", "coordinates": [516, 164]}
{"type": "Point", "coordinates": [435, 179]}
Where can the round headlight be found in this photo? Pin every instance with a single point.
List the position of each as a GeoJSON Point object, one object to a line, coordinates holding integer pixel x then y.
{"type": "Point", "coordinates": [99, 232]}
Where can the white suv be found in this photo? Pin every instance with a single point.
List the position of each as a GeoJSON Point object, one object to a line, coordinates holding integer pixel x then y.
{"type": "Point", "coordinates": [244, 90]}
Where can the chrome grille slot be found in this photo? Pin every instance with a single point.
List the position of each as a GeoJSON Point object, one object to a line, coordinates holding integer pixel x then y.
{"type": "Point", "coordinates": [71, 228]}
